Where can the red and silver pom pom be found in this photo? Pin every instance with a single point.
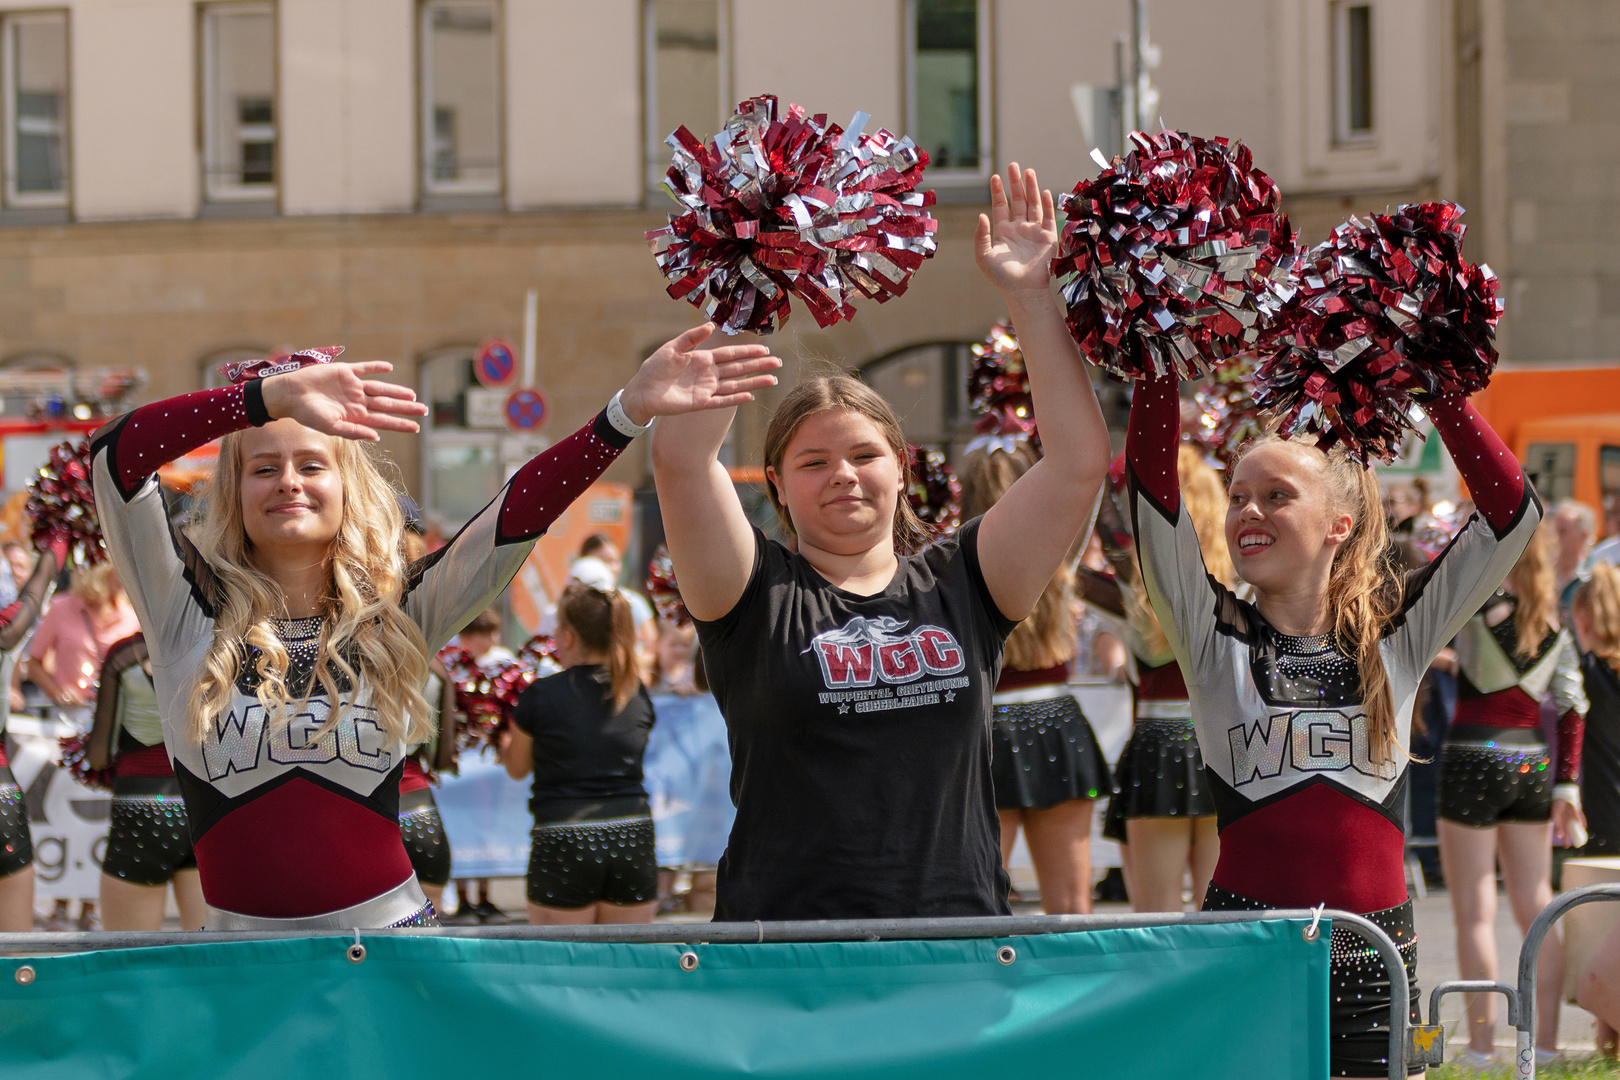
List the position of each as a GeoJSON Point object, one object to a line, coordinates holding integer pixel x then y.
{"type": "Point", "coordinates": [1227, 416]}
{"type": "Point", "coordinates": [935, 494]}
{"type": "Point", "coordinates": [665, 590]}
{"type": "Point", "coordinates": [998, 392]}
{"type": "Point", "coordinates": [1175, 258]}
{"type": "Point", "coordinates": [75, 759]}
{"type": "Point", "coordinates": [539, 654]}
{"type": "Point", "coordinates": [1437, 528]}
{"type": "Point", "coordinates": [1388, 314]}
{"type": "Point", "coordinates": [791, 206]}
{"type": "Point", "coordinates": [62, 504]}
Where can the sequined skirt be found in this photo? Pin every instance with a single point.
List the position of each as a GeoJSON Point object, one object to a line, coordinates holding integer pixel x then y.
{"type": "Point", "coordinates": [1358, 985]}
{"type": "Point", "coordinates": [422, 830]}
{"type": "Point", "coordinates": [1492, 775]}
{"type": "Point", "coordinates": [1160, 774]}
{"type": "Point", "coordinates": [1045, 753]}
{"type": "Point", "coordinates": [148, 835]}
{"type": "Point", "coordinates": [16, 842]}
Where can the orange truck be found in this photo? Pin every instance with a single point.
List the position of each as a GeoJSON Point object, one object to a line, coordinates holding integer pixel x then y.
{"type": "Point", "coordinates": [1564, 424]}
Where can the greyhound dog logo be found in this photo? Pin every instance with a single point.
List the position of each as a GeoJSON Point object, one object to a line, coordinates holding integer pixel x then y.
{"type": "Point", "coordinates": [865, 651]}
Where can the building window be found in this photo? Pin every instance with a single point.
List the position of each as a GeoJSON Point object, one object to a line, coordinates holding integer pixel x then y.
{"type": "Point", "coordinates": [239, 102]}
{"type": "Point", "coordinates": [462, 435]}
{"type": "Point", "coordinates": [461, 97]}
{"type": "Point", "coordinates": [684, 80]}
{"type": "Point", "coordinates": [34, 67]}
{"type": "Point", "coordinates": [1353, 117]}
{"type": "Point", "coordinates": [947, 70]}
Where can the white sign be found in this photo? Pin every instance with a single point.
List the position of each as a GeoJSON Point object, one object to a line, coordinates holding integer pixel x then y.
{"type": "Point", "coordinates": [67, 819]}
{"type": "Point", "coordinates": [486, 408]}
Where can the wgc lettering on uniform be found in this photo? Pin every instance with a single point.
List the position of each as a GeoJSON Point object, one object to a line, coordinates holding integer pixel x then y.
{"type": "Point", "coordinates": [879, 654]}
{"type": "Point", "coordinates": [236, 741]}
{"type": "Point", "coordinates": [1311, 740]}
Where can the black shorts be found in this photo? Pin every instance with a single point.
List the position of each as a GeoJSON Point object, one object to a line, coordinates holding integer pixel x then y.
{"type": "Point", "coordinates": [1492, 775]}
{"type": "Point", "coordinates": [575, 863]}
{"type": "Point", "coordinates": [148, 836]}
{"type": "Point", "coordinates": [1358, 986]}
{"type": "Point", "coordinates": [1044, 753]}
{"type": "Point", "coordinates": [422, 829]}
{"type": "Point", "coordinates": [16, 842]}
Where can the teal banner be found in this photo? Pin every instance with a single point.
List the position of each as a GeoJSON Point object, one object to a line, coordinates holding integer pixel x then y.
{"type": "Point", "coordinates": [1230, 1000]}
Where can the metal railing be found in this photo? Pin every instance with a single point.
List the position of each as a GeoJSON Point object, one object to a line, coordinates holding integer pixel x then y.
{"type": "Point", "coordinates": [758, 933]}
{"type": "Point", "coordinates": [1429, 1039]}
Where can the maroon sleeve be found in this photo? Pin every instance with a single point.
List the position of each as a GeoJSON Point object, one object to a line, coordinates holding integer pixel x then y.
{"type": "Point", "coordinates": [1571, 734]}
{"type": "Point", "coordinates": [1493, 475]}
{"type": "Point", "coordinates": [1154, 438]}
{"type": "Point", "coordinates": [153, 435]}
{"type": "Point", "coordinates": [543, 488]}
{"type": "Point", "coordinates": [19, 616]}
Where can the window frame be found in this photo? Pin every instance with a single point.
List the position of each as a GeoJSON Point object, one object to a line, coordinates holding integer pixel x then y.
{"type": "Point", "coordinates": [426, 133]}
{"type": "Point", "coordinates": [12, 198]}
{"type": "Point", "coordinates": [214, 189]}
{"type": "Point", "coordinates": [937, 175]}
{"type": "Point", "coordinates": [655, 154]}
{"type": "Point", "coordinates": [1342, 76]}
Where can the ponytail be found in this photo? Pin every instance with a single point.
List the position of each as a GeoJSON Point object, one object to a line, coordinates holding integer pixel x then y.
{"type": "Point", "coordinates": [1599, 601]}
{"type": "Point", "coordinates": [606, 626]}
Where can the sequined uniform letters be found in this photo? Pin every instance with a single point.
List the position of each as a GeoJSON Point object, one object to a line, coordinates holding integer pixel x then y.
{"type": "Point", "coordinates": [234, 743]}
{"type": "Point", "coordinates": [1319, 740]}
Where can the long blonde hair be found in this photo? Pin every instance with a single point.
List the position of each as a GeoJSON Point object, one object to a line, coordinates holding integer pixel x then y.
{"type": "Point", "coordinates": [1599, 600]}
{"type": "Point", "coordinates": [1049, 635]}
{"type": "Point", "coordinates": [1535, 587]}
{"type": "Point", "coordinates": [832, 393]}
{"type": "Point", "coordinates": [365, 622]}
{"type": "Point", "coordinates": [1364, 592]}
{"type": "Point", "coordinates": [1203, 499]}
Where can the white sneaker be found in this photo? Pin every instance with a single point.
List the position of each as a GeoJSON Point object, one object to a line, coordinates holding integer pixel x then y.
{"type": "Point", "coordinates": [1469, 1058]}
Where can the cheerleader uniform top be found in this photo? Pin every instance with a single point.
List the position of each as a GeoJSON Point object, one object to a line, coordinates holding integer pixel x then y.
{"type": "Point", "coordinates": [285, 825]}
{"type": "Point", "coordinates": [17, 621]}
{"type": "Point", "coordinates": [1306, 815]}
{"type": "Point", "coordinates": [126, 731]}
{"type": "Point", "coordinates": [860, 739]}
{"type": "Point", "coordinates": [1497, 688]}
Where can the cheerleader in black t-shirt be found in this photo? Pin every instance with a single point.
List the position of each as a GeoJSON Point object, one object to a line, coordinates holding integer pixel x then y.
{"type": "Point", "coordinates": [1596, 611]}
{"type": "Point", "coordinates": [855, 672]}
{"type": "Point", "coordinates": [583, 733]}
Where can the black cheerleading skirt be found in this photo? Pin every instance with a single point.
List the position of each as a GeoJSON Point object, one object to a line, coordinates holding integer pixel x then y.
{"type": "Point", "coordinates": [1160, 774]}
{"type": "Point", "coordinates": [1045, 753]}
{"type": "Point", "coordinates": [1358, 986]}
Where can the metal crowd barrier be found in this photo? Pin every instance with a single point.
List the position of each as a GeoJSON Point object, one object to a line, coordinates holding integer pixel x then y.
{"type": "Point", "coordinates": [753, 933]}
{"type": "Point", "coordinates": [1429, 1040]}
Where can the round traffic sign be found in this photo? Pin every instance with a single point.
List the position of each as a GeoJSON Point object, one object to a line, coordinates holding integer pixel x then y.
{"type": "Point", "coordinates": [496, 363]}
{"type": "Point", "coordinates": [526, 409]}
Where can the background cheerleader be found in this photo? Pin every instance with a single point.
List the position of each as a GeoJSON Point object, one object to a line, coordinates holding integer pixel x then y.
{"type": "Point", "coordinates": [17, 620]}
{"type": "Point", "coordinates": [1046, 766]}
{"type": "Point", "coordinates": [1163, 813]}
{"type": "Point", "coordinates": [148, 835]}
{"type": "Point", "coordinates": [1596, 611]}
{"type": "Point", "coordinates": [583, 734]}
{"type": "Point", "coordinates": [1501, 801]}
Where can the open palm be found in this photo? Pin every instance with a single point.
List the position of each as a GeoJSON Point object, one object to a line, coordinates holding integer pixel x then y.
{"type": "Point", "coordinates": [1015, 241]}
{"type": "Point", "coordinates": [339, 400]}
{"type": "Point", "coordinates": [682, 378]}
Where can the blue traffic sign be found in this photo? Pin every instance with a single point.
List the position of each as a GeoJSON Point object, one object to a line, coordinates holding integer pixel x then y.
{"type": "Point", "coordinates": [526, 409]}
{"type": "Point", "coordinates": [496, 363]}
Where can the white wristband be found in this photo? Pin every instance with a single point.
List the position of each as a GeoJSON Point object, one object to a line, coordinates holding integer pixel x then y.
{"type": "Point", "coordinates": [621, 420]}
{"type": "Point", "coordinates": [1570, 793]}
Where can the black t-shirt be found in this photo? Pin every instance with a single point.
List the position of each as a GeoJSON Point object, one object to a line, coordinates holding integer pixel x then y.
{"type": "Point", "coordinates": [587, 758]}
{"type": "Point", "coordinates": [860, 740]}
{"type": "Point", "coordinates": [1600, 757]}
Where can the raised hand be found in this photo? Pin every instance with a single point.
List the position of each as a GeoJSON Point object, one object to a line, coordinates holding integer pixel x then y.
{"type": "Point", "coordinates": [1015, 241]}
{"type": "Point", "coordinates": [682, 378]}
{"type": "Point", "coordinates": [338, 399]}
